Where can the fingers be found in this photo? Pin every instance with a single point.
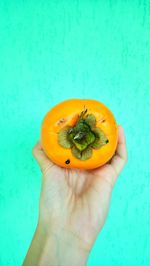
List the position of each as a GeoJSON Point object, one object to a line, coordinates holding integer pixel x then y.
{"type": "Point", "coordinates": [41, 157]}
{"type": "Point", "coordinates": [121, 156]}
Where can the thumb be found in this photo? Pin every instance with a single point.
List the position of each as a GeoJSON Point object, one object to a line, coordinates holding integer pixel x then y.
{"type": "Point", "coordinates": [42, 159]}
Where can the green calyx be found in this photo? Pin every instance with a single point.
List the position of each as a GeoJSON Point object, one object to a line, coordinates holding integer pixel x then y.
{"type": "Point", "coordinates": [82, 137]}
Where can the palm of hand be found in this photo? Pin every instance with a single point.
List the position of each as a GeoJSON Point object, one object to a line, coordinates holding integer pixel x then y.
{"type": "Point", "coordinates": [77, 201]}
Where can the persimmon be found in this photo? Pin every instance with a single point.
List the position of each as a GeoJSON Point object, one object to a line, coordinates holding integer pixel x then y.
{"type": "Point", "coordinates": [79, 133]}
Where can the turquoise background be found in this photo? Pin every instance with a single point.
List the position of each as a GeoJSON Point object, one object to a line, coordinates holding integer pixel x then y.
{"type": "Point", "coordinates": [54, 50]}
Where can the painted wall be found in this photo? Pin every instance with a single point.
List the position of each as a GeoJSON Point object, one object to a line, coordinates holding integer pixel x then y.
{"type": "Point", "coordinates": [54, 50]}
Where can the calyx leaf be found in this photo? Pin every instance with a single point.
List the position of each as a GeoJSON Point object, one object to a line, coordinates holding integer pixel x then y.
{"type": "Point", "coordinates": [82, 155]}
{"type": "Point", "coordinates": [90, 120]}
{"type": "Point", "coordinates": [63, 137]}
{"type": "Point", "coordinates": [100, 140]}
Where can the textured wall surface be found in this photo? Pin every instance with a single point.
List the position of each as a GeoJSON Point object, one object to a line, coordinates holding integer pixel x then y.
{"type": "Point", "coordinates": [53, 50]}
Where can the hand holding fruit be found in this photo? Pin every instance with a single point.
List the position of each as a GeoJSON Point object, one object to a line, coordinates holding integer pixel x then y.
{"type": "Point", "coordinates": [74, 204]}
{"type": "Point", "coordinates": [76, 199]}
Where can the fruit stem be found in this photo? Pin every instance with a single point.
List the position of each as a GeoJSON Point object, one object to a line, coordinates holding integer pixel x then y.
{"type": "Point", "coordinates": [81, 134]}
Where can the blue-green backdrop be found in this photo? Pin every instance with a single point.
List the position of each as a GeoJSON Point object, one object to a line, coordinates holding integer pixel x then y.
{"type": "Point", "coordinates": [54, 50]}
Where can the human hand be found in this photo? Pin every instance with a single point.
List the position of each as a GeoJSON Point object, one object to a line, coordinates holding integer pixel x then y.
{"type": "Point", "coordinates": [77, 201]}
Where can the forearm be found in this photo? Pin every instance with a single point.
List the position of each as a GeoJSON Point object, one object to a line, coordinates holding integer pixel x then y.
{"type": "Point", "coordinates": [36, 248]}
{"type": "Point", "coordinates": [55, 249]}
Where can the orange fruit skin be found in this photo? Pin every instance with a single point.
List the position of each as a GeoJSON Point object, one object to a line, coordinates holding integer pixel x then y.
{"type": "Point", "coordinates": [67, 113]}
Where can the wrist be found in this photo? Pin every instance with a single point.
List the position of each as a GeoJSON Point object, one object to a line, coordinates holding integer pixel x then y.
{"type": "Point", "coordinates": [61, 247]}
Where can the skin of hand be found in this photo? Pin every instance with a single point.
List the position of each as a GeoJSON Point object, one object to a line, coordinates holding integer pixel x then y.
{"type": "Point", "coordinates": [74, 203]}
